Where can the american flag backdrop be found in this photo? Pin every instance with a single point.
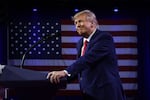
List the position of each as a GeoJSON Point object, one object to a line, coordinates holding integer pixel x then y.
{"type": "Point", "coordinates": [60, 51]}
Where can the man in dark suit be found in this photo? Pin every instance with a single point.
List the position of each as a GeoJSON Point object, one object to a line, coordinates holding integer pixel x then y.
{"type": "Point", "coordinates": [97, 65]}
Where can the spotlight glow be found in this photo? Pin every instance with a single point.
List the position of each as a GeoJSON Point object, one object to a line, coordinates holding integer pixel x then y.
{"type": "Point", "coordinates": [116, 9]}
{"type": "Point", "coordinates": [34, 9]}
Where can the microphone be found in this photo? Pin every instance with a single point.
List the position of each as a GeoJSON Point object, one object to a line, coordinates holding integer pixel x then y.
{"type": "Point", "coordinates": [41, 40]}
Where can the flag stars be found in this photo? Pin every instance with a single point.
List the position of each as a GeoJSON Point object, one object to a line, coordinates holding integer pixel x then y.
{"type": "Point", "coordinates": [43, 27]}
{"type": "Point", "coordinates": [16, 49]}
{"type": "Point", "coordinates": [16, 41]}
{"type": "Point", "coordinates": [43, 41]}
{"type": "Point", "coordinates": [12, 52]}
{"type": "Point", "coordinates": [57, 24]}
{"type": "Point", "coordinates": [48, 52]}
{"type": "Point", "coordinates": [29, 23]}
{"type": "Point", "coordinates": [52, 49]}
{"type": "Point", "coordinates": [39, 38]}
{"type": "Point", "coordinates": [21, 52]}
{"type": "Point", "coordinates": [25, 27]}
{"type": "Point", "coordinates": [23, 34]}
{"type": "Point", "coordinates": [29, 30]}
{"type": "Point", "coordinates": [47, 30]}
{"type": "Point", "coordinates": [20, 38]}
{"type": "Point", "coordinates": [39, 45]}
{"type": "Point", "coordinates": [39, 52]}
{"type": "Point", "coordinates": [47, 23]}
{"type": "Point", "coordinates": [20, 23]}
{"type": "Point", "coordinates": [57, 53]}
{"type": "Point", "coordinates": [20, 30]}
{"type": "Point", "coordinates": [38, 23]}
{"type": "Point", "coordinates": [38, 30]}
{"type": "Point", "coordinates": [29, 38]}
{"type": "Point", "coordinates": [34, 27]}
{"type": "Point", "coordinates": [52, 42]}
{"type": "Point", "coordinates": [57, 38]}
{"type": "Point", "coordinates": [16, 34]}
{"type": "Point", "coordinates": [25, 49]}
{"type": "Point", "coordinates": [34, 41]}
{"type": "Point", "coordinates": [43, 34]}
{"type": "Point", "coordinates": [12, 38]}
{"type": "Point", "coordinates": [30, 45]}
{"type": "Point", "coordinates": [30, 52]}
{"type": "Point", "coordinates": [52, 27]}
{"type": "Point", "coordinates": [16, 26]}
{"type": "Point", "coordinates": [34, 49]}
{"type": "Point", "coordinates": [48, 45]}
{"type": "Point", "coordinates": [57, 45]}
{"type": "Point", "coordinates": [34, 34]}
{"type": "Point", "coordinates": [25, 41]}
{"type": "Point", "coordinates": [11, 30]}
{"type": "Point", "coordinates": [43, 49]}
{"type": "Point", "coordinates": [12, 45]}
{"type": "Point", "coordinates": [21, 45]}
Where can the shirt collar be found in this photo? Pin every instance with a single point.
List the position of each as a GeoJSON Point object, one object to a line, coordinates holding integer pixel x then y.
{"type": "Point", "coordinates": [88, 39]}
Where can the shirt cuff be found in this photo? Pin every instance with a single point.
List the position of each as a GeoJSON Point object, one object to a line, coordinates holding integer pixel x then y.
{"type": "Point", "coordinates": [67, 73]}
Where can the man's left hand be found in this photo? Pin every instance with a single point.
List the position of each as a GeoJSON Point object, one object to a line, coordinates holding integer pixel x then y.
{"type": "Point", "coordinates": [55, 76]}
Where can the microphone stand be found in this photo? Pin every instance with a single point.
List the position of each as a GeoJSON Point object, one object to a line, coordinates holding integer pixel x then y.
{"type": "Point", "coordinates": [41, 40]}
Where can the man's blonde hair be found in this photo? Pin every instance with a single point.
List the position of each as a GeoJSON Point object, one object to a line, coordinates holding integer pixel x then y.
{"type": "Point", "coordinates": [89, 14]}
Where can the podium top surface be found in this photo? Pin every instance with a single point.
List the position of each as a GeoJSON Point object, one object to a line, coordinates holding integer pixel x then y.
{"type": "Point", "coordinates": [16, 77]}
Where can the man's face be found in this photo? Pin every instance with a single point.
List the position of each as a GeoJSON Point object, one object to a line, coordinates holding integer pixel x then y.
{"type": "Point", "coordinates": [83, 26]}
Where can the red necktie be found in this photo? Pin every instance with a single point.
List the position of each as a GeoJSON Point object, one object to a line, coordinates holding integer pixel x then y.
{"type": "Point", "coordinates": [84, 47]}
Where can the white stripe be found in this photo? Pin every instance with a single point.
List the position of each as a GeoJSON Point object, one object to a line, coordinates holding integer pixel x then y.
{"type": "Point", "coordinates": [128, 62]}
{"type": "Point", "coordinates": [104, 27]}
{"type": "Point", "coordinates": [68, 51]}
{"type": "Point", "coordinates": [128, 74]}
{"type": "Point", "coordinates": [131, 51]}
{"type": "Point", "coordinates": [73, 51]}
{"type": "Point", "coordinates": [130, 86]}
{"type": "Point", "coordinates": [125, 39]}
{"type": "Point", "coordinates": [117, 39]}
{"type": "Point", "coordinates": [49, 62]}
{"type": "Point", "coordinates": [118, 27]}
{"type": "Point", "coordinates": [43, 62]}
{"type": "Point", "coordinates": [68, 28]}
{"type": "Point", "coordinates": [126, 86]}
{"type": "Point", "coordinates": [70, 39]}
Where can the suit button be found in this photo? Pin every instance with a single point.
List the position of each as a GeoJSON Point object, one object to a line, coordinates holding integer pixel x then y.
{"type": "Point", "coordinates": [80, 78]}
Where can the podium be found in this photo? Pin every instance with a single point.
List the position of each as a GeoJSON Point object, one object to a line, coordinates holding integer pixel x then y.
{"type": "Point", "coordinates": [28, 84]}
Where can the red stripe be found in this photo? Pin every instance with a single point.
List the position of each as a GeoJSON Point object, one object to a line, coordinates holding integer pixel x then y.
{"type": "Point", "coordinates": [114, 33]}
{"type": "Point", "coordinates": [68, 45]}
{"type": "Point", "coordinates": [73, 57]}
{"type": "Point", "coordinates": [78, 92]}
{"type": "Point", "coordinates": [106, 21]}
{"type": "Point", "coordinates": [51, 68]}
{"type": "Point", "coordinates": [129, 80]}
{"type": "Point", "coordinates": [69, 33]}
{"type": "Point", "coordinates": [127, 56]}
{"type": "Point", "coordinates": [117, 21]}
{"type": "Point", "coordinates": [126, 45]}
{"type": "Point", "coordinates": [123, 33]}
{"type": "Point", "coordinates": [117, 45]}
{"type": "Point", "coordinates": [123, 80]}
{"type": "Point", "coordinates": [127, 68]}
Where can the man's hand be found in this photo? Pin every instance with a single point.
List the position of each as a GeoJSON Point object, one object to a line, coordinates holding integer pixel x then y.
{"type": "Point", "coordinates": [55, 76]}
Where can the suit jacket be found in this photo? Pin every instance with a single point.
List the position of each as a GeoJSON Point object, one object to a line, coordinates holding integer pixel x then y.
{"type": "Point", "coordinates": [98, 67]}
